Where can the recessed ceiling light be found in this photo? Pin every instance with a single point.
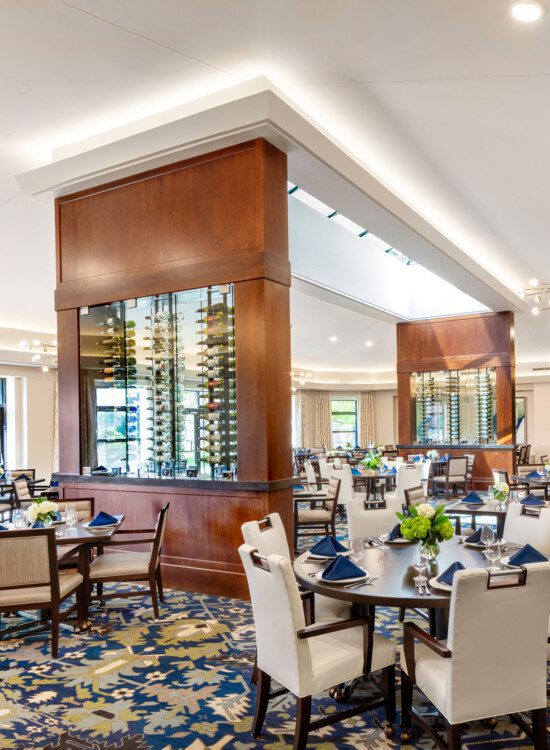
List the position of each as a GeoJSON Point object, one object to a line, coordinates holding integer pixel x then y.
{"type": "Point", "coordinates": [527, 11]}
{"type": "Point", "coordinates": [54, 342]}
{"type": "Point", "coordinates": [45, 369]}
{"type": "Point", "coordinates": [22, 344]}
{"type": "Point", "coordinates": [533, 282]}
{"type": "Point", "coordinates": [369, 343]}
{"type": "Point", "coordinates": [535, 310]}
{"type": "Point", "coordinates": [333, 338]}
{"type": "Point", "coordinates": [36, 357]}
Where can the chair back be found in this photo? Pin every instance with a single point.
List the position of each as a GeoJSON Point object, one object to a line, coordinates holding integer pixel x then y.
{"type": "Point", "coordinates": [310, 473]}
{"type": "Point", "coordinates": [28, 558]}
{"type": "Point", "coordinates": [332, 497]}
{"type": "Point", "coordinates": [471, 457]}
{"type": "Point", "coordinates": [457, 468]}
{"type": "Point", "coordinates": [522, 459]}
{"type": "Point", "coordinates": [84, 507]}
{"type": "Point", "coordinates": [336, 462]}
{"type": "Point", "coordinates": [344, 475]}
{"type": "Point", "coordinates": [268, 536]}
{"type": "Point", "coordinates": [408, 476]}
{"type": "Point", "coordinates": [363, 520]}
{"type": "Point", "coordinates": [544, 459]}
{"type": "Point", "coordinates": [16, 473]}
{"type": "Point", "coordinates": [528, 527]}
{"type": "Point", "coordinates": [527, 453]}
{"type": "Point", "coordinates": [160, 528]}
{"type": "Point", "coordinates": [500, 475]}
{"type": "Point", "coordinates": [389, 453]}
{"type": "Point", "coordinates": [278, 615]}
{"type": "Point", "coordinates": [324, 468]}
{"type": "Point", "coordinates": [415, 496]}
{"type": "Point", "coordinates": [21, 491]}
{"type": "Point", "coordinates": [504, 645]}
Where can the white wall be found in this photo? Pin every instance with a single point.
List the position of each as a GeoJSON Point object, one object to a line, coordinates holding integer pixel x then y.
{"type": "Point", "coordinates": [384, 417]}
{"type": "Point", "coordinates": [30, 419]}
{"type": "Point", "coordinates": [538, 418]}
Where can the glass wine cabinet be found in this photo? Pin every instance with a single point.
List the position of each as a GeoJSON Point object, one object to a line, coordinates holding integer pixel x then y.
{"type": "Point", "coordinates": [157, 380]}
{"type": "Point", "coordinates": [455, 406]}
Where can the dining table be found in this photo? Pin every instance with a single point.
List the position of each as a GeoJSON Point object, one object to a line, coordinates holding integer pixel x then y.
{"type": "Point", "coordinates": [541, 482]}
{"type": "Point", "coordinates": [392, 571]}
{"type": "Point", "coordinates": [489, 508]}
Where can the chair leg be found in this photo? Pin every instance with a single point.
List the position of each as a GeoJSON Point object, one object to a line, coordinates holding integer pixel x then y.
{"type": "Point", "coordinates": [453, 736]}
{"type": "Point", "coordinates": [406, 706]}
{"type": "Point", "coordinates": [159, 584]}
{"type": "Point", "coordinates": [388, 688]}
{"type": "Point", "coordinates": [303, 716]}
{"type": "Point", "coordinates": [254, 675]}
{"type": "Point", "coordinates": [402, 611]}
{"type": "Point", "coordinates": [263, 687]}
{"type": "Point", "coordinates": [80, 606]}
{"type": "Point", "coordinates": [540, 735]}
{"type": "Point", "coordinates": [154, 597]}
{"type": "Point", "coordinates": [55, 632]}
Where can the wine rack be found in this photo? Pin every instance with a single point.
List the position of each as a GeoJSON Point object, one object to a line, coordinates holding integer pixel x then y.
{"type": "Point", "coordinates": [158, 385]}
{"type": "Point", "coordinates": [456, 406]}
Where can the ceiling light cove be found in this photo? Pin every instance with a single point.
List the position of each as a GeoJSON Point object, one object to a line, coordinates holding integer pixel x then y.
{"type": "Point", "coordinates": [333, 339]}
{"type": "Point", "coordinates": [369, 343]}
{"type": "Point", "coordinates": [527, 11]}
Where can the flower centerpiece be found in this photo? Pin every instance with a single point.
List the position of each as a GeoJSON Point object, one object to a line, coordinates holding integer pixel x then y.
{"type": "Point", "coordinates": [373, 460]}
{"type": "Point", "coordinates": [501, 491]}
{"type": "Point", "coordinates": [43, 510]}
{"type": "Point", "coordinates": [433, 455]}
{"type": "Point", "coordinates": [547, 469]}
{"type": "Point", "coordinates": [428, 525]}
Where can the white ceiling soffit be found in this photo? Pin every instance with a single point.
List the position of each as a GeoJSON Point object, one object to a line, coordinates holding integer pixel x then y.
{"type": "Point", "coordinates": [316, 162]}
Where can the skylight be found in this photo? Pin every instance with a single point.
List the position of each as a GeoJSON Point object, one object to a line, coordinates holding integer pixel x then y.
{"type": "Point", "coordinates": [330, 213]}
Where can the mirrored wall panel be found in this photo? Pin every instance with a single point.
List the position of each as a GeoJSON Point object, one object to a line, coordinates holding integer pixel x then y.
{"type": "Point", "coordinates": [157, 379]}
{"type": "Point", "coordinates": [456, 406]}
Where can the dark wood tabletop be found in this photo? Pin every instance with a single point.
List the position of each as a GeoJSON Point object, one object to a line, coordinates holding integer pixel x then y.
{"type": "Point", "coordinates": [543, 482]}
{"type": "Point", "coordinates": [80, 534]}
{"type": "Point", "coordinates": [394, 586]}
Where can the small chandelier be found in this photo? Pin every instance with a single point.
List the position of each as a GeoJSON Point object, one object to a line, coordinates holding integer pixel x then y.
{"type": "Point", "coordinates": [539, 292]}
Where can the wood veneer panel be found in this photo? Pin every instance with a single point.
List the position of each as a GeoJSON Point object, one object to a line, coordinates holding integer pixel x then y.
{"type": "Point", "coordinates": [506, 405]}
{"type": "Point", "coordinates": [404, 409]}
{"type": "Point", "coordinates": [68, 380]}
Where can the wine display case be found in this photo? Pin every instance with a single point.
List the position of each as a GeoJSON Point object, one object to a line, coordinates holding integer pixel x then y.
{"type": "Point", "coordinates": [455, 406]}
{"type": "Point", "coordinates": [157, 379]}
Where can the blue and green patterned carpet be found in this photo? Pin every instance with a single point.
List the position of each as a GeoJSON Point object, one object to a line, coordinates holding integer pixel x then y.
{"type": "Point", "coordinates": [182, 682]}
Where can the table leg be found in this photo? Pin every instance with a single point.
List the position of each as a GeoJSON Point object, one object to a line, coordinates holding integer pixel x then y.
{"type": "Point", "coordinates": [500, 525]}
{"type": "Point", "coordinates": [439, 622]}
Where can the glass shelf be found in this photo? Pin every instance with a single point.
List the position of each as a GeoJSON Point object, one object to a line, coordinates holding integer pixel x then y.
{"type": "Point", "coordinates": [157, 377]}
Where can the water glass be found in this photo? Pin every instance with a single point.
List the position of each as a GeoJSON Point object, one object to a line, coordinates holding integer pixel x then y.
{"type": "Point", "coordinates": [493, 555]}
{"type": "Point", "coordinates": [383, 534]}
{"type": "Point", "coordinates": [19, 519]}
{"type": "Point", "coordinates": [70, 515]}
{"type": "Point", "coordinates": [487, 536]}
{"type": "Point", "coordinates": [356, 550]}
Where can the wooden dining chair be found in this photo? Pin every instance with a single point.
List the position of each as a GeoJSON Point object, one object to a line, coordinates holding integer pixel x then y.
{"type": "Point", "coordinates": [309, 659]}
{"type": "Point", "coordinates": [31, 580]}
{"type": "Point", "coordinates": [132, 566]}
{"type": "Point", "coordinates": [455, 477]}
{"type": "Point", "coordinates": [415, 496]}
{"type": "Point", "coordinates": [492, 664]}
{"type": "Point", "coordinates": [311, 521]}
{"type": "Point", "coordinates": [501, 475]}
{"type": "Point", "coordinates": [16, 473]}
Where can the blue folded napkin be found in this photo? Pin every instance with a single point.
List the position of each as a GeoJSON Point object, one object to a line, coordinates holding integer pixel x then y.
{"type": "Point", "coordinates": [442, 460]}
{"type": "Point", "coordinates": [26, 477]}
{"type": "Point", "coordinates": [533, 475]}
{"type": "Point", "coordinates": [298, 487]}
{"type": "Point", "coordinates": [416, 458]}
{"type": "Point", "coordinates": [99, 468]}
{"type": "Point", "coordinates": [38, 525]}
{"type": "Point", "coordinates": [313, 457]}
{"type": "Point", "coordinates": [531, 500]}
{"type": "Point", "coordinates": [395, 533]}
{"type": "Point", "coordinates": [475, 538]}
{"type": "Point", "coordinates": [341, 568]}
{"type": "Point", "coordinates": [448, 575]}
{"type": "Point", "coordinates": [103, 519]}
{"type": "Point", "coordinates": [328, 547]}
{"type": "Point", "coordinates": [393, 470]}
{"type": "Point", "coordinates": [355, 472]}
{"type": "Point", "coordinates": [472, 499]}
{"type": "Point", "coordinates": [54, 483]}
{"type": "Point", "coordinates": [525, 555]}
{"type": "Point", "coordinates": [3, 528]}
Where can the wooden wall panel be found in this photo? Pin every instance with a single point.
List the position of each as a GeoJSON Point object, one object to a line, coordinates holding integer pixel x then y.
{"type": "Point", "coordinates": [68, 384]}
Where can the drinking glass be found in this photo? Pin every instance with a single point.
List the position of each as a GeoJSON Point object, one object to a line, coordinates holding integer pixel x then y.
{"type": "Point", "coordinates": [70, 515]}
{"type": "Point", "coordinates": [487, 536]}
{"type": "Point", "coordinates": [356, 550]}
{"type": "Point", "coordinates": [383, 534]}
{"type": "Point", "coordinates": [18, 518]}
{"type": "Point", "coordinates": [493, 555]}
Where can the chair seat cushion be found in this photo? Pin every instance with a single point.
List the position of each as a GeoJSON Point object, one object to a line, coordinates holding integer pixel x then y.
{"type": "Point", "coordinates": [338, 657]}
{"type": "Point", "coordinates": [431, 674]}
{"type": "Point", "coordinates": [5, 506]}
{"type": "Point", "coordinates": [328, 609]}
{"type": "Point", "coordinates": [311, 516]}
{"type": "Point", "coordinates": [68, 582]}
{"type": "Point", "coordinates": [120, 564]}
{"type": "Point", "coordinates": [458, 478]}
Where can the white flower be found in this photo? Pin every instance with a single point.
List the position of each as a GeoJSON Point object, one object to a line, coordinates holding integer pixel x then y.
{"type": "Point", "coordinates": [380, 448]}
{"type": "Point", "coordinates": [423, 509]}
{"type": "Point", "coordinates": [433, 455]}
{"type": "Point", "coordinates": [547, 468]}
{"type": "Point", "coordinates": [40, 509]}
{"type": "Point", "coordinates": [502, 488]}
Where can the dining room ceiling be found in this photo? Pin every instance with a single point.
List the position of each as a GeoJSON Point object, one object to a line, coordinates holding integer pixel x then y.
{"type": "Point", "coordinates": [446, 102]}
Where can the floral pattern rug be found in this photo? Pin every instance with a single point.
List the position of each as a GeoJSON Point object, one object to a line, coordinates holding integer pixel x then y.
{"type": "Point", "coordinates": [132, 683]}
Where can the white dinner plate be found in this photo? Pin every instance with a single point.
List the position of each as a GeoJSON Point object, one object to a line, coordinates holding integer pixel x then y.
{"type": "Point", "coordinates": [435, 584]}
{"type": "Point", "coordinates": [341, 580]}
{"type": "Point", "coordinates": [480, 545]}
{"type": "Point", "coordinates": [93, 529]}
{"type": "Point", "coordinates": [400, 540]}
{"type": "Point", "coordinates": [326, 557]}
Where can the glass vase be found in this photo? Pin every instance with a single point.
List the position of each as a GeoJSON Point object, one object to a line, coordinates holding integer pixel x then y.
{"type": "Point", "coordinates": [430, 549]}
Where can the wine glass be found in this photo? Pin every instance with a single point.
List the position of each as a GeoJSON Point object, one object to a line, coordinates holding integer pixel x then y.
{"type": "Point", "coordinates": [70, 515]}
{"type": "Point", "coordinates": [487, 536]}
{"type": "Point", "coordinates": [420, 565]}
{"type": "Point", "coordinates": [18, 518]}
{"type": "Point", "coordinates": [493, 555]}
{"type": "Point", "coordinates": [384, 530]}
{"type": "Point", "coordinates": [356, 550]}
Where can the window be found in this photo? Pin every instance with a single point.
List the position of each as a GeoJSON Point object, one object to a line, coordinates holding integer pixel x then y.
{"type": "Point", "coordinates": [3, 421]}
{"type": "Point", "coordinates": [344, 423]}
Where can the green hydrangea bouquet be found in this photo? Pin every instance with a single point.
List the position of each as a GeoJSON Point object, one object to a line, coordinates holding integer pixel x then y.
{"type": "Point", "coordinates": [428, 525]}
{"type": "Point", "coordinates": [373, 459]}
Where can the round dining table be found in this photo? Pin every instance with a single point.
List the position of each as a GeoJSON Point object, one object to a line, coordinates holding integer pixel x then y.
{"type": "Point", "coordinates": [393, 585]}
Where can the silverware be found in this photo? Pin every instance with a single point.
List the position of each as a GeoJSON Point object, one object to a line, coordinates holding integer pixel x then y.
{"type": "Point", "coordinates": [426, 590]}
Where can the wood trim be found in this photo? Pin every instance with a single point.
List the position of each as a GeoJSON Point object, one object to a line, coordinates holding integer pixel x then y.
{"type": "Point", "coordinates": [506, 405]}
{"type": "Point", "coordinates": [404, 408]}
{"type": "Point", "coordinates": [68, 380]}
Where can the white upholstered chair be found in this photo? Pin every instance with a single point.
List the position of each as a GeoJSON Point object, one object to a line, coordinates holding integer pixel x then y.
{"type": "Point", "coordinates": [132, 566]}
{"type": "Point", "coordinates": [343, 473]}
{"type": "Point", "coordinates": [269, 538]}
{"type": "Point", "coordinates": [363, 521]}
{"type": "Point", "coordinates": [307, 660]}
{"type": "Point", "coordinates": [528, 526]}
{"type": "Point", "coordinates": [30, 580]}
{"type": "Point", "coordinates": [493, 663]}
{"type": "Point", "coordinates": [324, 468]}
{"type": "Point", "coordinates": [408, 475]}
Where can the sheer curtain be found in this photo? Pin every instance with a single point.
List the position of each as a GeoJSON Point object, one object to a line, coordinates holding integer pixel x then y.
{"type": "Point", "coordinates": [366, 418]}
{"type": "Point", "coordinates": [88, 408]}
{"type": "Point", "coordinates": [315, 419]}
